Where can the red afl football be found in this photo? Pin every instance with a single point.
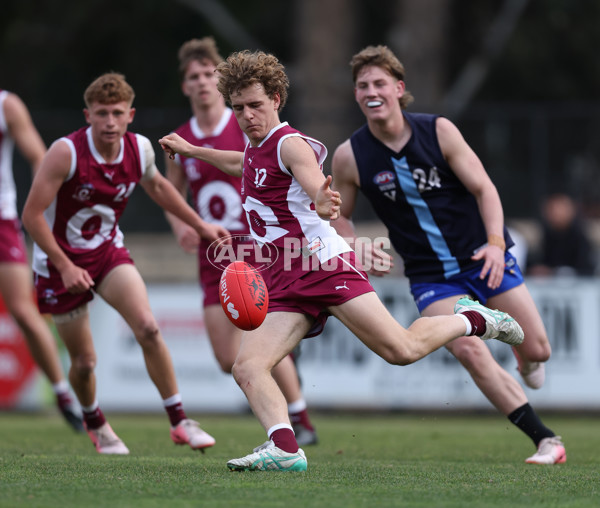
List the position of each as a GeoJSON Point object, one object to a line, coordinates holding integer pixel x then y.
{"type": "Point", "coordinates": [244, 296]}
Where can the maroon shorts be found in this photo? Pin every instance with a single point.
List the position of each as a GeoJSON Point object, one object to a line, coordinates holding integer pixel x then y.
{"type": "Point", "coordinates": [12, 243]}
{"type": "Point", "coordinates": [52, 296]}
{"type": "Point", "coordinates": [294, 287]}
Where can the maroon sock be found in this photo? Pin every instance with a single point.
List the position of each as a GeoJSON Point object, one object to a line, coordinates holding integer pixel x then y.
{"type": "Point", "coordinates": [285, 440]}
{"type": "Point", "coordinates": [64, 400]}
{"type": "Point", "coordinates": [176, 413]}
{"type": "Point", "coordinates": [94, 419]}
{"type": "Point", "coordinates": [301, 418]}
{"type": "Point", "coordinates": [477, 321]}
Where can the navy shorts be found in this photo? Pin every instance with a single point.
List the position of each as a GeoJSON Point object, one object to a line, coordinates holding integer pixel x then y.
{"type": "Point", "coordinates": [467, 283]}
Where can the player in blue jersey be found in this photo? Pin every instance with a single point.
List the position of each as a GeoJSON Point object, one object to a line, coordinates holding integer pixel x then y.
{"type": "Point", "coordinates": [445, 220]}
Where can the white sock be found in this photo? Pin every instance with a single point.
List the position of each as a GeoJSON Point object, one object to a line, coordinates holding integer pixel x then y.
{"type": "Point", "coordinates": [467, 322]}
{"type": "Point", "coordinates": [172, 400]}
{"type": "Point", "coordinates": [61, 387]}
{"type": "Point", "coordinates": [297, 406]}
{"type": "Point", "coordinates": [277, 427]}
{"type": "Point", "coordinates": [91, 408]}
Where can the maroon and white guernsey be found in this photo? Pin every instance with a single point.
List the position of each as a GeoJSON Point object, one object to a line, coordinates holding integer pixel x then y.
{"type": "Point", "coordinates": [278, 209]}
{"type": "Point", "coordinates": [85, 213]}
{"type": "Point", "coordinates": [216, 194]}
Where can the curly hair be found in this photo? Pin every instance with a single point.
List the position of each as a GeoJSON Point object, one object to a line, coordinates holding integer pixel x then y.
{"type": "Point", "coordinates": [198, 50]}
{"type": "Point", "coordinates": [244, 68]}
{"type": "Point", "coordinates": [383, 57]}
{"type": "Point", "coordinates": [109, 88]}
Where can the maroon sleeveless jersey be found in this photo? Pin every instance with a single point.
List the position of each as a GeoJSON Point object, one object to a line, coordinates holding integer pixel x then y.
{"type": "Point", "coordinates": [85, 213]}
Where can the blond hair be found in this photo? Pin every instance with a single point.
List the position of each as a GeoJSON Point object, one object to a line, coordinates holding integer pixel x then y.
{"type": "Point", "coordinates": [244, 68]}
{"type": "Point", "coordinates": [109, 88]}
{"type": "Point", "coordinates": [383, 57]}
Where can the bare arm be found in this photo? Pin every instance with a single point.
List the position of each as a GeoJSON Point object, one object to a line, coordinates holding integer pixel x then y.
{"type": "Point", "coordinates": [299, 158]}
{"type": "Point", "coordinates": [347, 183]}
{"type": "Point", "coordinates": [167, 197]}
{"type": "Point", "coordinates": [470, 171]}
{"type": "Point", "coordinates": [186, 236]}
{"type": "Point", "coordinates": [228, 161]}
{"type": "Point", "coordinates": [23, 131]}
{"type": "Point", "coordinates": [51, 174]}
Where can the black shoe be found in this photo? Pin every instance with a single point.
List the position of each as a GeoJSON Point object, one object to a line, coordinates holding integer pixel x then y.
{"type": "Point", "coordinates": [305, 436]}
{"type": "Point", "coordinates": [74, 420]}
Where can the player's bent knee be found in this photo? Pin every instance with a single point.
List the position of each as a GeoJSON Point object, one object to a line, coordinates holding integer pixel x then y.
{"type": "Point", "coordinates": [226, 366]}
{"type": "Point", "coordinates": [545, 355]}
{"type": "Point", "coordinates": [398, 356]}
{"type": "Point", "coordinates": [468, 353]}
{"type": "Point", "coordinates": [239, 374]}
{"type": "Point", "coordinates": [244, 371]}
{"type": "Point", "coordinates": [541, 352]}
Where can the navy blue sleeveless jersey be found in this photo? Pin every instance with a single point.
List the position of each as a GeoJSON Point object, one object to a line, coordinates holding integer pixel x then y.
{"type": "Point", "coordinates": [432, 219]}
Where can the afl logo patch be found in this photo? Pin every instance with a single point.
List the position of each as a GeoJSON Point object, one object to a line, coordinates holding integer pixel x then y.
{"type": "Point", "coordinates": [383, 177]}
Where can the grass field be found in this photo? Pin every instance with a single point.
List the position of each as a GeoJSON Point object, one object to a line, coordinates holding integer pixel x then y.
{"type": "Point", "coordinates": [411, 460]}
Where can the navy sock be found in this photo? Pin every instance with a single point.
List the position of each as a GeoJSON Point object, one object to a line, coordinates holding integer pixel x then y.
{"type": "Point", "coordinates": [529, 422]}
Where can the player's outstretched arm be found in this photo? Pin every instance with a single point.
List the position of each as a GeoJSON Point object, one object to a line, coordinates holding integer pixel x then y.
{"type": "Point", "coordinates": [187, 238]}
{"type": "Point", "coordinates": [299, 158]}
{"type": "Point", "coordinates": [228, 161]}
{"type": "Point", "coordinates": [345, 181]}
{"type": "Point", "coordinates": [164, 194]}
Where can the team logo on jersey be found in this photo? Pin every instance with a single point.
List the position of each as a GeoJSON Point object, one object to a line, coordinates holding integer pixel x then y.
{"type": "Point", "coordinates": [84, 192]}
{"type": "Point", "coordinates": [383, 178]}
{"type": "Point", "coordinates": [386, 181]}
{"type": "Point", "coordinates": [50, 297]}
{"type": "Point", "coordinates": [313, 247]}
